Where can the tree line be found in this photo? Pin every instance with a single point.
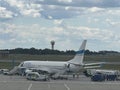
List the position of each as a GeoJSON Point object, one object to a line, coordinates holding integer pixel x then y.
{"type": "Point", "coordinates": [34, 51]}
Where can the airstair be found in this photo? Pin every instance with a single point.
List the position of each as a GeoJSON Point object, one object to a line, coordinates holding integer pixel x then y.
{"type": "Point", "coordinates": [14, 70]}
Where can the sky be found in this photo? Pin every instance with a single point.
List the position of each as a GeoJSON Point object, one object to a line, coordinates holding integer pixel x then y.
{"type": "Point", "coordinates": [34, 23]}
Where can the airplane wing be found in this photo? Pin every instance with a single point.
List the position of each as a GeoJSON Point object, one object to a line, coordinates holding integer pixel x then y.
{"type": "Point", "coordinates": [42, 70]}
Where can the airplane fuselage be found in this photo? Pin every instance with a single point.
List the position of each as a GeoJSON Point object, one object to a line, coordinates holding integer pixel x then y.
{"type": "Point", "coordinates": [52, 66]}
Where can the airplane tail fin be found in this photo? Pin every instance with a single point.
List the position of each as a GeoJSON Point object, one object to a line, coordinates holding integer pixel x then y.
{"type": "Point", "coordinates": [78, 59]}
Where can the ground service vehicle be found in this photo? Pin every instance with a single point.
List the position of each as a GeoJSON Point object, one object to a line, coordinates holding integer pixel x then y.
{"type": "Point", "coordinates": [36, 76]}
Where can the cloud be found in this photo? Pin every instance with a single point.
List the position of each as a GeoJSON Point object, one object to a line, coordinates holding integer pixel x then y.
{"type": "Point", "coordinates": [81, 3]}
{"type": "Point", "coordinates": [92, 33]}
{"type": "Point", "coordinates": [95, 9]}
{"type": "Point", "coordinates": [58, 22]}
{"type": "Point", "coordinates": [36, 30]}
{"type": "Point", "coordinates": [55, 9]}
{"type": "Point", "coordinates": [67, 21]}
{"type": "Point", "coordinates": [26, 8]}
{"type": "Point", "coordinates": [113, 23]}
{"type": "Point", "coordinates": [31, 12]}
{"type": "Point", "coordinates": [34, 35]}
{"type": "Point", "coordinates": [65, 1]}
{"type": "Point", "coordinates": [20, 7]}
{"type": "Point", "coordinates": [4, 13]}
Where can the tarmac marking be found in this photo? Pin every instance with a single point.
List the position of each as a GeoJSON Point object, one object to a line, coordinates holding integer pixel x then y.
{"type": "Point", "coordinates": [48, 86]}
{"type": "Point", "coordinates": [66, 86]}
{"type": "Point", "coordinates": [30, 86]}
{"type": "Point", "coordinates": [68, 82]}
{"type": "Point", "coordinates": [5, 81]}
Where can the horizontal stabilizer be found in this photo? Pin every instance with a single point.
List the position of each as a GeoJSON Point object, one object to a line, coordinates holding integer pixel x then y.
{"type": "Point", "coordinates": [91, 67]}
{"type": "Point", "coordinates": [98, 63]}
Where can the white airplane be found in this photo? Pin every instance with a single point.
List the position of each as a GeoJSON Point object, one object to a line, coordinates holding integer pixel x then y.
{"type": "Point", "coordinates": [58, 67]}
